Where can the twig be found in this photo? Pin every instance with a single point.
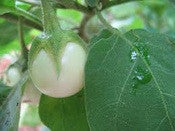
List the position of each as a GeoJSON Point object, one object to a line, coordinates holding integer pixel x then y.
{"type": "Point", "coordinates": [21, 12]}
{"type": "Point", "coordinates": [103, 21]}
{"type": "Point", "coordinates": [24, 50]}
{"type": "Point", "coordinates": [14, 18]}
{"type": "Point", "coordinates": [81, 30]}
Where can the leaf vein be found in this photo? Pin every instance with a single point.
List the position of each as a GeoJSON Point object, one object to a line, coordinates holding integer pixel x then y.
{"type": "Point", "coordinates": [157, 85]}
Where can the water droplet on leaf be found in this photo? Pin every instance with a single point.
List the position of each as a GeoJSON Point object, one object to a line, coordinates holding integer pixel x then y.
{"type": "Point", "coordinates": [141, 76]}
{"type": "Point", "coordinates": [133, 55]}
{"type": "Point", "coordinates": [143, 51]}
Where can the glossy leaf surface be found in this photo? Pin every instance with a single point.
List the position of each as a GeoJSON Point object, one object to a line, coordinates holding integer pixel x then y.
{"type": "Point", "coordinates": [130, 83]}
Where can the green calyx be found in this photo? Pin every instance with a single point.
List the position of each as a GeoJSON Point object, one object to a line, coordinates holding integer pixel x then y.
{"type": "Point", "coordinates": [50, 20]}
{"type": "Point", "coordinates": [53, 40]}
{"type": "Point", "coordinates": [54, 46]}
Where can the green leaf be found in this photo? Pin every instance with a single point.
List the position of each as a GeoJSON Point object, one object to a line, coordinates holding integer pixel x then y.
{"type": "Point", "coordinates": [63, 114]}
{"type": "Point", "coordinates": [130, 83]}
{"type": "Point", "coordinates": [23, 5]}
{"type": "Point", "coordinates": [92, 3]}
{"type": "Point", "coordinates": [8, 33]}
{"type": "Point", "coordinates": [9, 37]}
{"type": "Point", "coordinates": [9, 110]}
{"type": "Point", "coordinates": [8, 6]}
{"type": "Point", "coordinates": [104, 34]}
{"type": "Point", "coordinates": [9, 3]}
{"type": "Point", "coordinates": [36, 10]}
{"type": "Point", "coordinates": [5, 5]}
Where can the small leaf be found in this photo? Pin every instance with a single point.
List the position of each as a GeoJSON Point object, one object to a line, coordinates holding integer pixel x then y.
{"type": "Point", "coordinates": [9, 110]}
{"type": "Point", "coordinates": [130, 83]}
{"type": "Point", "coordinates": [23, 5]}
{"type": "Point", "coordinates": [64, 114]}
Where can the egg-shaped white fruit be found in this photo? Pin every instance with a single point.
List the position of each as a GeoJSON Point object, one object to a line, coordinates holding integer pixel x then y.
{"type": "Point", "coordinates": [70, 79]}
{"type": "Point", "coordinates": [13, 76]}
{"type": "Point", "coordinates": [31, 94]}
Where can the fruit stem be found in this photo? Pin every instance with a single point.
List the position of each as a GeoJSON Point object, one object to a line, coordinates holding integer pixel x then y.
{"type": "Point", "coordinates": [103, 21]}
{"type": "Point", "coordinates": [24, 51]}
{"type": "Point", "coordinates": [50, 20]}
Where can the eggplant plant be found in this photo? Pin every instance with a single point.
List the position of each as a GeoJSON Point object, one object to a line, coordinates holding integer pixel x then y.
{"type": "Point", "coordinates": [120, 79]}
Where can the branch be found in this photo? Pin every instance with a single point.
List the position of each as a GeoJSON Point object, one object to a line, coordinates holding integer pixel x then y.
{"type": "Point", "coordinates": [81, 30]}
{"type": "Point", "coordinates": [14, 18]}
{"type": "Point", "coordinates": [24, 51]}
{"type": "Point", "coordinates": [104, 22]}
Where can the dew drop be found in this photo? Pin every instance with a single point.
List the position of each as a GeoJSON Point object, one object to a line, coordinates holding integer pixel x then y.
{"type": "Point", "coordinates": [141, 76]}
{"type": "Point", "coordinates": [133, 55]}
{"type": "Point", "coordinates": [143, 51]}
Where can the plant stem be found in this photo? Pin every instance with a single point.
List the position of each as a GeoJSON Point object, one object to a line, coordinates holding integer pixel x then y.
{"type": "Point", "coordinates": [18, 11]}
{"type": "Point", "coordinates": [103, 21]}
{"type": "Point", "coordinates": [24, 51]}
{"type": "Point", "coordinates": [14, 18]}
{"type": "Point", "coordinates": [81, 30]}
{"type": "Point", "coordinates": [50, 20]}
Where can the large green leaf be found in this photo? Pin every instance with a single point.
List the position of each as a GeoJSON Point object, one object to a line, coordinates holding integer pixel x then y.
{"type": "Point", "coordinates": [104, 34]}
{"type": "Point", "coordinates": [10, 108]}
{"type": "Point", "coordinates": [64, 114]}
{"type": "Point", "coordinates": [130, 83]}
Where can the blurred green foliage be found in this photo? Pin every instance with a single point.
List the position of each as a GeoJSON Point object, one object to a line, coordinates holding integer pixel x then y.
{"type": "Point", "coordinates": [30, 116]}
{"type": "Point", "coordinates": [9, 3]}
{"type": "Point", "coordinates": [69, 18]}
{"type": "Point", "coordinates": [9, 37]}
{"type": "Point", "coordinates": [8, 32]}
{"type": "Point", "coordinates": [157, 15]}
